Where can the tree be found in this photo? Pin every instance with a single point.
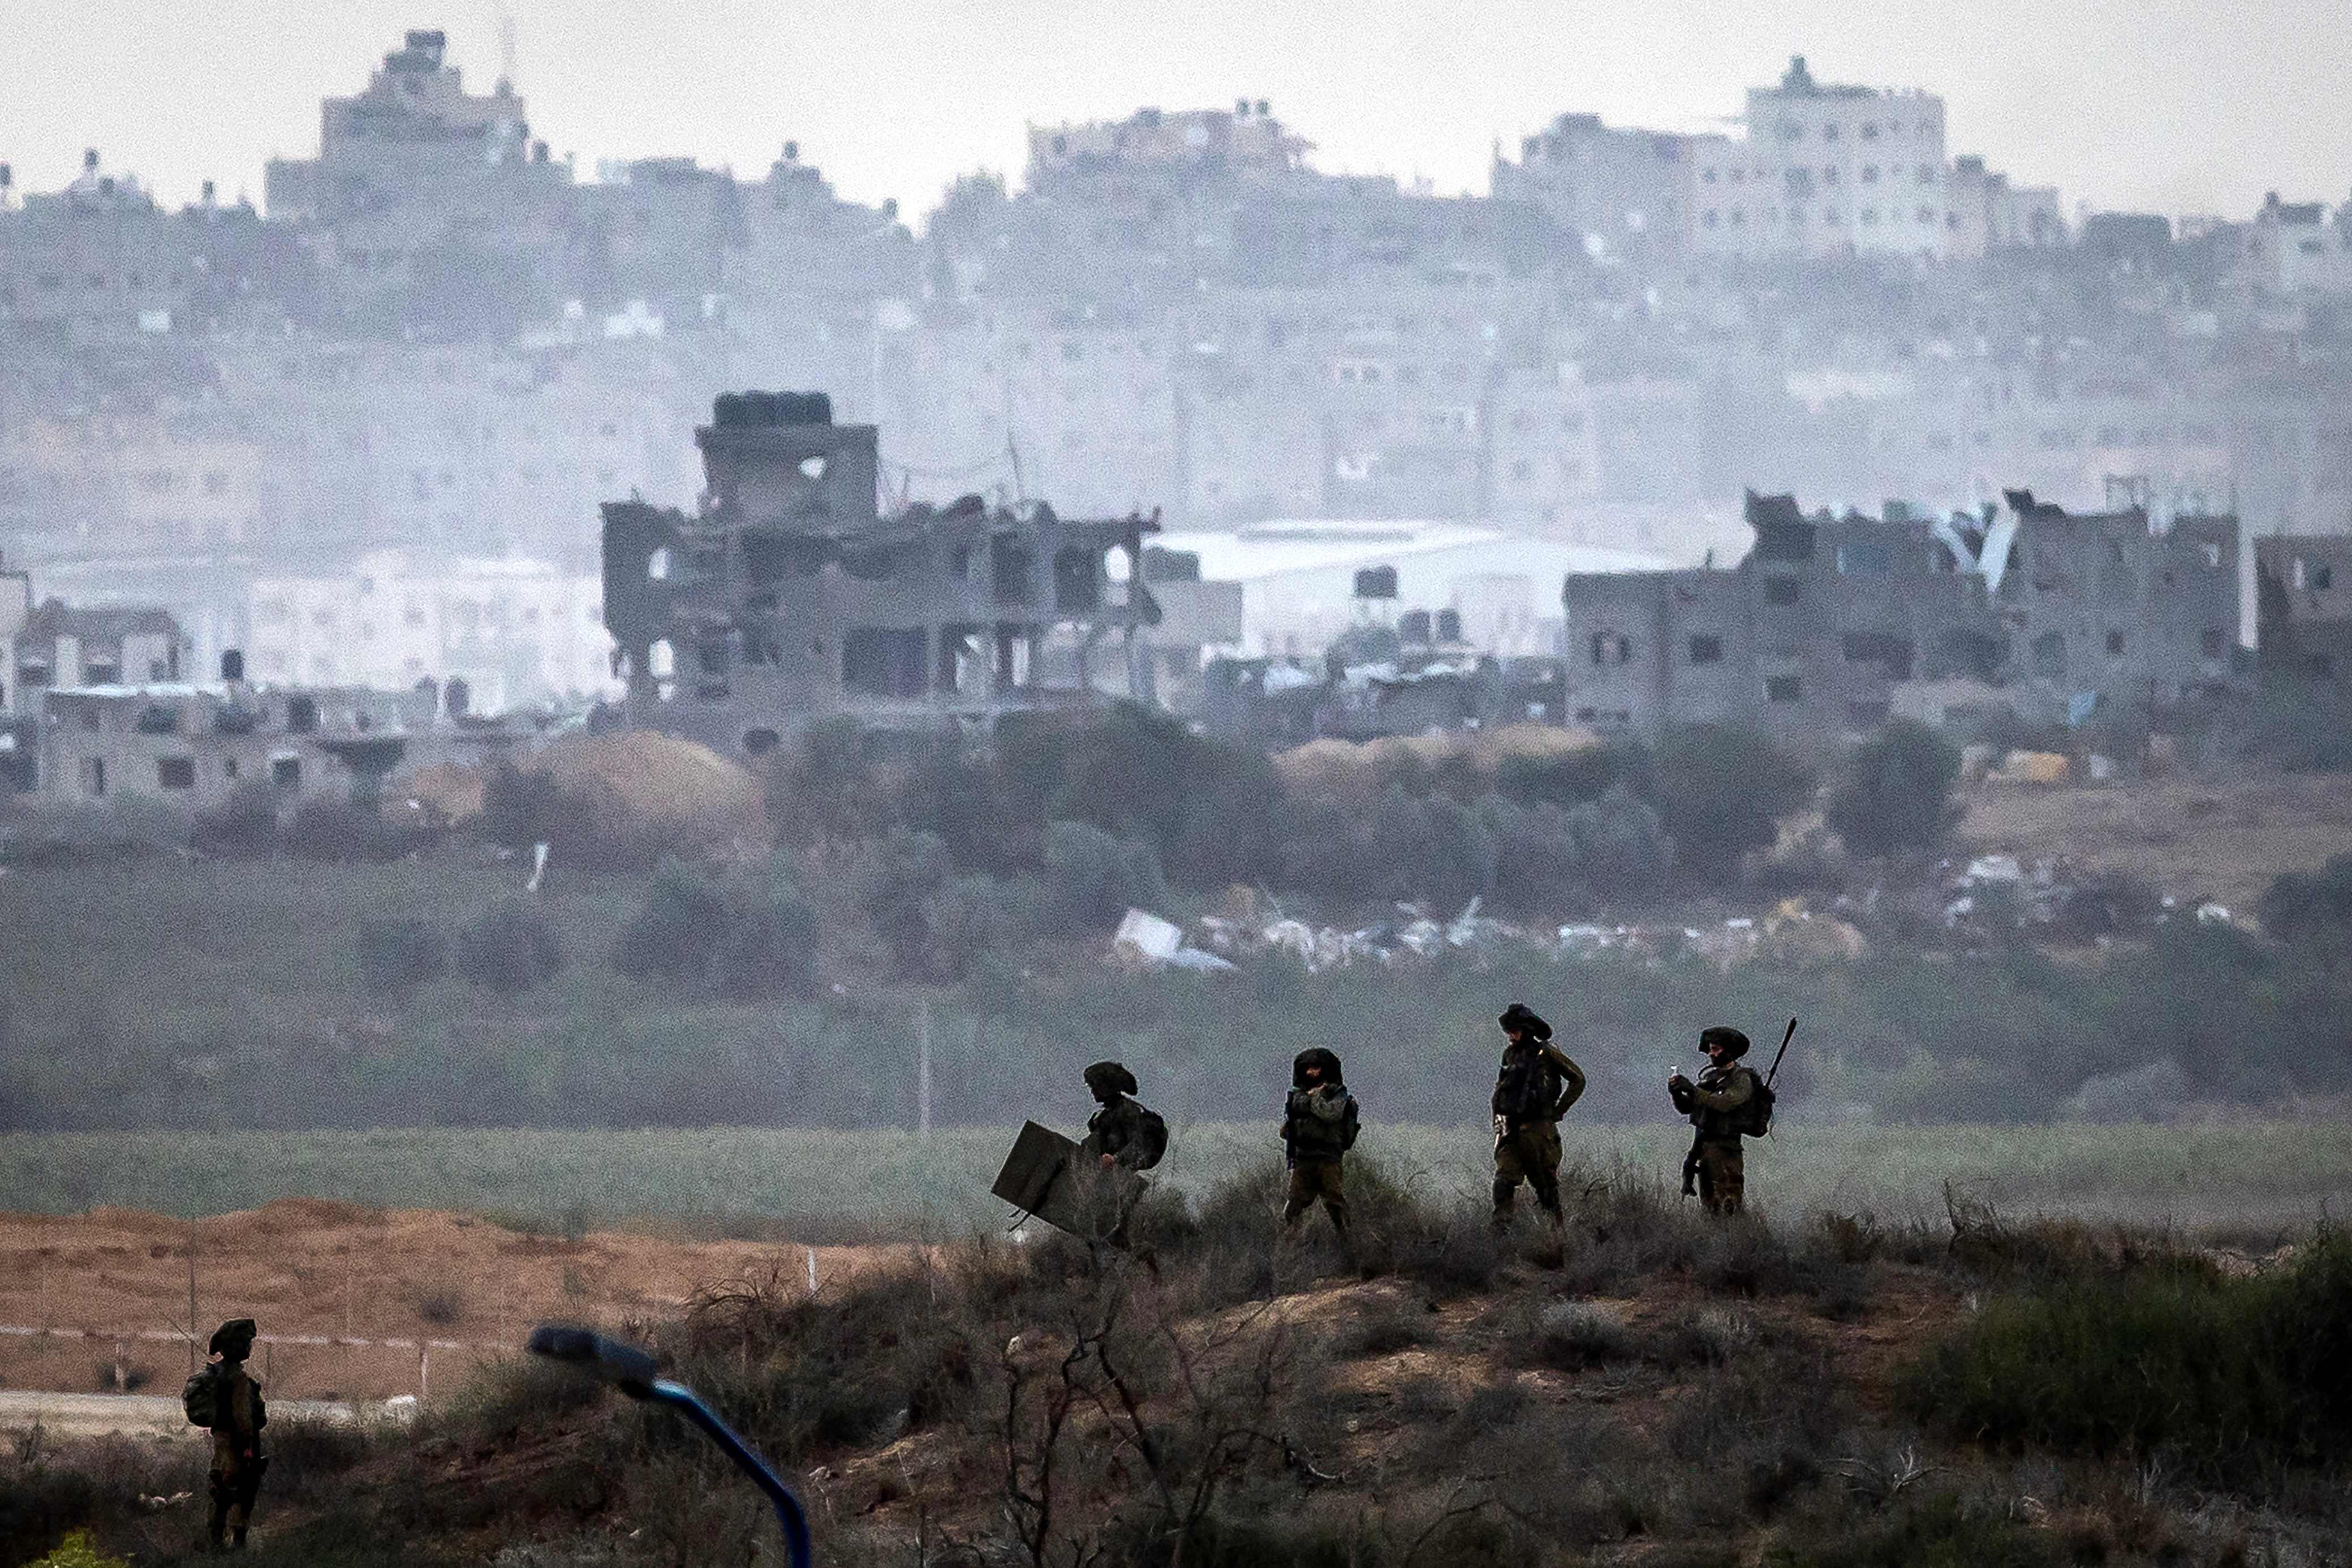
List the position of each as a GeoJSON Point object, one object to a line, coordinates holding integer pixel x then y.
{"type": "Point", "coordinates": [1722, 792]}
{"type": "Point", "coordinates": [1093, 877]}
{"type": "Point", "coordinates": [1896, 791]}
{"type": "Point", "coordinates": [1621, 842]}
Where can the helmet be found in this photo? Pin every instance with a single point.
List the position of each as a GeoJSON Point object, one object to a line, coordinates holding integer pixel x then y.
{"type": "Point", "coordinates": [1110, 1077]}
{"type": "Point", "coordinates": [234, 1339]}
{"type": "Point", "coordinates": [1519, 1016]}
{"type": "Point", "coordinates": [1734, 1043]}
{"type": "Point", "coordinates": [1317, 1057]}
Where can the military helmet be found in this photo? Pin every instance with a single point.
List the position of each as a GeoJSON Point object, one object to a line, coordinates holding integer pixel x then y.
{"type": "Point", "coordinates": [1110, 1077]}
{"type": "Point", "coordinates": [1734, 1043]}
{"type": "Point", "coordinates": [1520, 1017]}
{"type": "Point", "coordinates": [1315, 1055]}
{"type": "Point", "coordinates": [234, 1339]}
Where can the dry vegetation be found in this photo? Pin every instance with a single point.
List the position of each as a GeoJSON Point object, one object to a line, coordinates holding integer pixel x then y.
{"type": "Point", "coordinates": [1646, 1387]}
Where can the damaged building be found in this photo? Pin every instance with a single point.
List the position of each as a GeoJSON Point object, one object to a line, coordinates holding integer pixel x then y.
{"type": "Point", "coordinates": [1834, 623]}
{"type": "Point", "coordinates": [2302, 603]}
{"type": "Point", "coordinates": [789, 595]}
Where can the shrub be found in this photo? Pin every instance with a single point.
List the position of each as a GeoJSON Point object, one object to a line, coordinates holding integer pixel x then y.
{"type": "Point", "coordinates": [2230, 1378]}
{"type": "Point", "coordinates": [2298, 905]}
{"type": "Point", "coordinates": [970, 916]}
{"type": "Point", "coordinates": [750, 941]}
{"type": "Point", "coordinates": [395, 954]}
{"type": "Point", "coordinates": [1621, 843]}
{"type": "Point", "coordinates": [902, 871]}
{"type": "Point", "coordinates": [683, 922]}
{"type": "Point", "coordinates": [1573, 1335]}
{"type": "Point", "coordinates": [342, 830]}
{"type": "Point", "coordinates": [1537, 866]}
{"type": "Point", "coordinates": [1720, 793]}
{"type": "Point", "coordinates": [510, 949]}
{"type": "Point", "coordinates": [1092, 877]}
{"type": "Point", "coordinates": [1896, 793]}
{"type": "Point", "coordinates": [244, 824]}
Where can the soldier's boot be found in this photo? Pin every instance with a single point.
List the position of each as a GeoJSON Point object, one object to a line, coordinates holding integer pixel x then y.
{"type": "Point", "coordinates": [1548, 1198]}
{"type": "Point", "coordinates": [236, 1539]}
{"type": "Point", "coordinates": [1505, 1192]}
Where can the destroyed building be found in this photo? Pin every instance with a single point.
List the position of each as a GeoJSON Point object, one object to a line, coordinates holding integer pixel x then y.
{"type": "Point", "coordinates": [2302, 603]}
{"type": "Point", "coordinates": [789, 595]}
{"type": "Point", "coordinates": [1836, 624]}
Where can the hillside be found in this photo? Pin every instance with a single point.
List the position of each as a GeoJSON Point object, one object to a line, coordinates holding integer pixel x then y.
{"type": "Point", "coordinates": [1650, 1387]}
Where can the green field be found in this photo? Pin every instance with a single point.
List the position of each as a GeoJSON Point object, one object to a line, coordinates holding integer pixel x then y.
{"type": "Point", "coordinates": [822, 1185]}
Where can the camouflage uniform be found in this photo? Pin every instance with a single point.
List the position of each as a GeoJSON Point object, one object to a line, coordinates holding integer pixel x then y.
{"type": "Point", "coordinates": [1534, 1087]}
{"type": "Point", "coordinates": [1318, 1125]}
{"type": "Point", "coordinates": [1123, 1129]}
{"type": "Point", "coordinates": [1713, 1106]}
{"type": "Point", "coordinates": [239, 1416]}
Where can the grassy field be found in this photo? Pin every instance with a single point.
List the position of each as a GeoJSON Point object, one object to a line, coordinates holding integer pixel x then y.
{"type": "Point", "coordinates": [819, 1185]}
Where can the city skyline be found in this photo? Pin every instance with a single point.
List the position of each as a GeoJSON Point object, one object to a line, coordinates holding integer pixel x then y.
{"type": "Point", "coordinates": [893, 106]}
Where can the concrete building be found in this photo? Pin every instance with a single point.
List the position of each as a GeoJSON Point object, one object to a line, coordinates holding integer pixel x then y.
{"type": "Point", "coordinates": [1985, 213]}
{"type": "Point", "coordinates": [517, 632]}
{"type": "Point", "coordinates": [55, 646]}
{"type": "Point", "coordinates": [1302, 581]}
{"type": "Point", "coordinates": [1611, 191]}
{"type": "Point", "coordinates": [1825, 170]}
{"type": "Point", "coordinates": [2303, 603]}
{"type": "Point", "coordinates": [1829, 622]}
{"type": "Point", "coordinates": [194, 746]}
{"type": "Point", "coordinates": [789, 595]}
{"type": "Point", "coordinates": [2299, 248]}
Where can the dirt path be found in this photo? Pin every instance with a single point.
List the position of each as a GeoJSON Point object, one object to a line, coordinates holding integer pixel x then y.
{"type": "Point", "coordinates": [451, 1288]}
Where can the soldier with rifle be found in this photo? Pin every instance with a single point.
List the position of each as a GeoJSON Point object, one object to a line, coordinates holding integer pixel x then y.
{"type": "Point", "coordinates": [1728, 1102]}
{"type": "Point", "coordinates": [1534, 1087]}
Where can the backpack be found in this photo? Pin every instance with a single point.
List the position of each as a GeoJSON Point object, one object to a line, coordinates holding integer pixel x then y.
{"type": "Point", "coordinates": [200, 1396]}
{"type": "Point", "coordinates": [1754, 1119]}
{"type": "Point", "coordinates": [1348, 1127]}
{"type": "Point", "coordinates": [1150, 1137]}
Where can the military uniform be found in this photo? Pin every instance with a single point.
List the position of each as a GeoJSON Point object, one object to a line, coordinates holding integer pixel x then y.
{"type": "Point", "coordinates": [1534, 1087]}
{"type": "Point", "coordinates": [239, 1416]}
{"type": "Point", "coordinates": [1717, 1107]}
{"type": "Point", "coordinates": [1319, 1128]}
{"type": "Point", "coordinates": [1134, 1139]}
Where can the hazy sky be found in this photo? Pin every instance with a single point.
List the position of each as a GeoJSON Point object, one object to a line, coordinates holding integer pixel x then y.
{"type": "Point", "coordinates": [2166, 105]}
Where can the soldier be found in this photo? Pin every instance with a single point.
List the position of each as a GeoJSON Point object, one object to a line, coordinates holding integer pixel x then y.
{"type": "Point", "coordinates": [1123, 1138]}
{"type": "Point", "coordinates": [1122, 1135]}
{"type": "Point", "coordinates": [1720, 1105]}
{"type": "Point", "coordinates": [237, 1418]}
{"type": "Point", "coordinates": [1318, 1126]}
{"type": "Point", "coordinates": [1533, 1090]}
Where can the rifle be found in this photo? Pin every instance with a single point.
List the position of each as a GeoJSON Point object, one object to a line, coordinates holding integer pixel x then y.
{"type": "Point", "coordinates": [1781, 1052]}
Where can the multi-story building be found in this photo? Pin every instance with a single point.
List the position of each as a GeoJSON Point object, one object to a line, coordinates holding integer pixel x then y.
{"type": "Point", "coordinates": [1825, 170]}
{"type": "Point", "coordinates": [516, 632]}
{"type": "Point", "coordinates": [1828, 620]}
{"type": "Point", "coordinates": [1610, 192]}
{"type": "Point", "coordinates": [58, 645]}
{"type": "Point", "coordinates": [788, 596]}
{"type": "Point", "coordinates": [194, 746]}
{"type": "Point", "coordinates": [2298, 248]}
{"type": "Point", "coordinates": [1985, 213]}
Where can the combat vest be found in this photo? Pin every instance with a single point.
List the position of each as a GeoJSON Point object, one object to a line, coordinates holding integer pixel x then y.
{"type": "Point", "coordinates": [1312, 1135]}
{"type": "Point", "coordinates": [1750, 1118]}
{"type": "Point", "coordinates": [1528, 1086]}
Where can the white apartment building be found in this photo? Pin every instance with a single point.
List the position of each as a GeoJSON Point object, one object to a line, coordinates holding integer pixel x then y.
{"type": "Point", "coordinates": [516, 632]}
{"type": "Point", "coordinates": [1824, 170]}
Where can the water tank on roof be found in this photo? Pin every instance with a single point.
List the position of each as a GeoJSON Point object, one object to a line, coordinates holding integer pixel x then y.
{"type": "Point", "coordinates": [1376, 583]}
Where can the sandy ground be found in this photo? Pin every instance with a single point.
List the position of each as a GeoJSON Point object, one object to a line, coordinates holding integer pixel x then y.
{"type": "Point", "coordinates": [305, 1266]}
{"type": "Point", "coordinates": [2181, 836]}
